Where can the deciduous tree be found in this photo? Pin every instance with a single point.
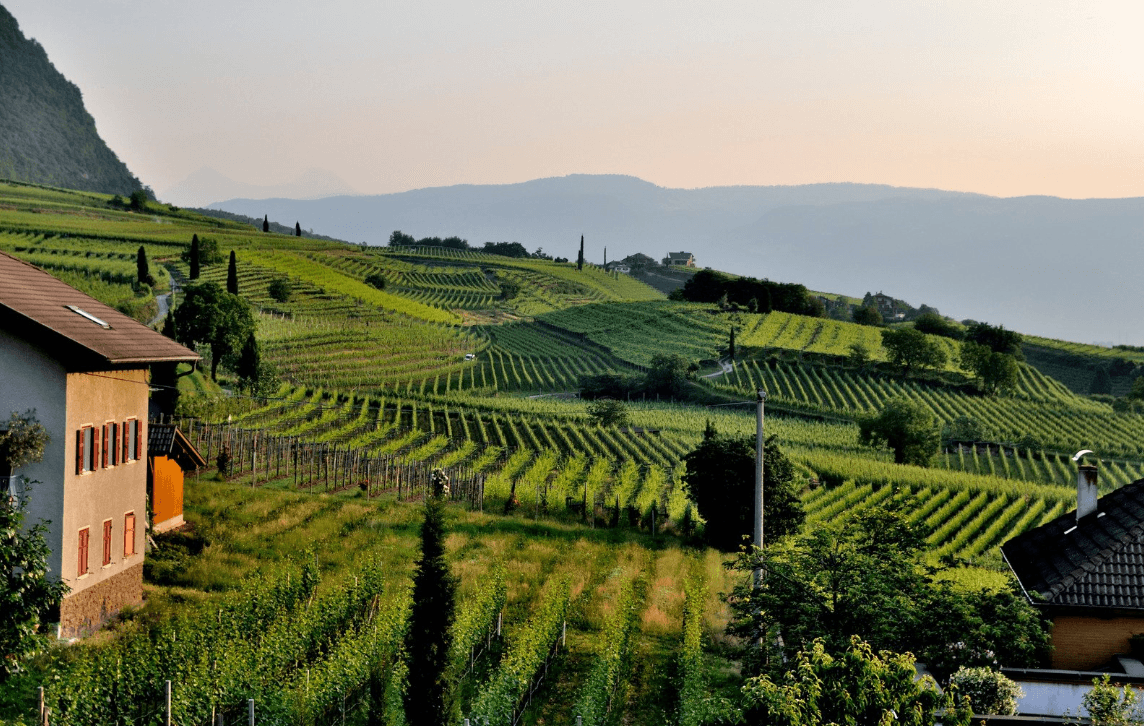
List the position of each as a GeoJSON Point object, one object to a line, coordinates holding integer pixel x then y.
{"type": "Point", "coordinates": [912, 349]}
{"type": "Point", "coordinates": [219, 319]}
{"type": "Point", "coordinates": [906, 427]}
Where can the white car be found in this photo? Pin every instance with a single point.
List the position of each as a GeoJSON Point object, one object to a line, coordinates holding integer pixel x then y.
{"type": "Point", "coordinates": [470, 356]}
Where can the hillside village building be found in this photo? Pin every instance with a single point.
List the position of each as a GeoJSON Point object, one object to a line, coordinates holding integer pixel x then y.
{"type": "Point", "coordinates": [679, 259]}
{"type": "Point", "coordinates": [1085, 571]}
{"type": "Point", "coordinates": [83, 367]}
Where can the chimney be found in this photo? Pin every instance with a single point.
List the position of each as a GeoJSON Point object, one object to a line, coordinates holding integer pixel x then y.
{"type": "Point", "coordinates": [1085, 490]}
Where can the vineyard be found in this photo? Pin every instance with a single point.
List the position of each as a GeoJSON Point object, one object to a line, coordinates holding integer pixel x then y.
{"type": "Point", "coordinates": [581, 592]}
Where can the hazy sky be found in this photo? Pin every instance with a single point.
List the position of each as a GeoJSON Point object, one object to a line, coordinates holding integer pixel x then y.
{"type": "Point", "coordinates": [995, 96]}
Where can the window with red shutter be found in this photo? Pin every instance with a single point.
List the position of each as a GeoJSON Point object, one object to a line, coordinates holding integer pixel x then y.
{"type": "Point", "coordinates": [107, 543]}
{"type": "Point", "coordinates": [138, 439]}
{"type": "Point", "coordinates": [126, 440]}
{"type": "Point", "coordinates": [129, 534]}
{"type": "Point", "coordinates": [79, 451]}
{"type": "Point", "coordinates": [106, 463]}
{"type": "Point", "coordinates": [83, 537]}
{"type": "Point", "coordinates": [94, 448]}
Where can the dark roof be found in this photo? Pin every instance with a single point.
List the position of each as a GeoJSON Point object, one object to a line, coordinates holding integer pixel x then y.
{"type": "Point", "coordinates": [679, 255]}
{"type": "Point", "coordinates": [168, 440]}
{"type": "Point", "coordinates": [34, 305]}
{"type": "Point", "coordinates": [1096, 563]}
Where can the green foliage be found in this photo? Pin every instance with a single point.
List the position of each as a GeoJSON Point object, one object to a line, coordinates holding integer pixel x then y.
{"type": "Point", "coordinates": [1107, 704]}
{"type": "Point", "coordinates": [280, 289]}
{"type": "Point", "coordinates": [209, 253]}
{"type": "Point", "coordinates": [912, 349]}
{"type": "Point", "coordinates": [143, 268]}
{"type": "Point", "coordinates": [232, 275]}
{"type": "Point", "coordinates": [720, 479]}
{"type": "Point", "coordinates": [697, 705]}
{"type": "Point", "coordinates": [934, 324]}
{"type": "Point", "coordinates": [612, 664]}
{"type": "Point", "coordinates": [527, 652]}
{"type": "Point", "coordinates": [996, 338]}
{"type": "Point", "coordinates": [608, 412]}
{"type": "Point", "coordinates": [992, 370]}
{"type": "Point", "coordinates": [220, 319]}
{"type": "Point", "coordinates": [376, 280]}
{"type": "Point", "coordinates": [1101, 382]}
{"type": "Point", "coordinates": [855, 686]}
{"type": "Point", "coordinates": [22, 441]}
{"type": "Point", "coordinates": [989, 691]}
{"type": "Point", "coordinates": [906, 427]}
{"type": "Point", "coordinates": [1137, 392]}
{"type": "Point", "coordinates": [669, 374]}
{"type": "Point", "coordinates": [866, 315]}
{"type": "Point", "coordinates": [28, 594]}
{"type": "Point", "coordinates": [428, 641]}
{"type": "Point", "coordinates": [194, 257]}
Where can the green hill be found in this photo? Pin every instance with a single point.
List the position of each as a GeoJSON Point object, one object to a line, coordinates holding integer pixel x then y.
{"type": "Point", "coordinates": [46, 134]}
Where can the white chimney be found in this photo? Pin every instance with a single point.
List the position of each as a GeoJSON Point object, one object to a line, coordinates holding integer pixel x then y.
{"type": "Point", "coordinates": [1085, 490]}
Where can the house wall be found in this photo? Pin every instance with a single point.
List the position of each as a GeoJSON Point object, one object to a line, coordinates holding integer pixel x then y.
{"type": "Point", "coordinates": [166, 493]}
{"type": "Point", "coordinates": [30, 378]}
{"type": "Point", "coordinates": [92, 497]}
{"type": "Point", "coordinates": [1086, 643]}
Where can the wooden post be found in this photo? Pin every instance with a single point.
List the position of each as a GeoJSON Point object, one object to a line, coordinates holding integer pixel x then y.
{"type": "Point", "coordinates": [167, 709]}
{"type": "Point", "coordinates": [250, 712]}
{"type": "Point", "coordinates": [43, 715]}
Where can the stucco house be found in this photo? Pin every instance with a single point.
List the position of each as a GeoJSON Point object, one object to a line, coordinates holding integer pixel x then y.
{"type": "Point", "coordinates": [679, 259]}
{"type": "Point", "coordinates": [1085, 571]}
{"type": "Point", "coordinates": [83, 367]}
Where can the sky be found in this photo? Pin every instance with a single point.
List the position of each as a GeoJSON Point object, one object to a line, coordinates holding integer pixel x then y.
{"type": "Point", "coordinates": [1001, 97]}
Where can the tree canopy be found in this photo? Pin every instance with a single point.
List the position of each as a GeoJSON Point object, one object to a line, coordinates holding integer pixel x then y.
{"type": "Point", "coordinates": [994, 371]}
{"type": "Point", "coordinates": [934, 324]}
{"type": "Point", "coordinates": [908, 428]}
{"type": "Point", "coordinates": [866, 315]}
{"type": "Point", "coordinates": [996, 338]}
{"type": "Point", "coordinates": [221, 320]}
{"type": "Point", "coordinates": [912, 349]}
{"type": "Point", "coordinates": [720, 479]}
{"type": "Point", "coordinates": [709, 286]}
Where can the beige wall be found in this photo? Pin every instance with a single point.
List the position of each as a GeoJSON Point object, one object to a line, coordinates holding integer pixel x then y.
{"type": "Point", "coordinates": [1087, 643]}
{"type": "Point", "coordinates": [92, 497]}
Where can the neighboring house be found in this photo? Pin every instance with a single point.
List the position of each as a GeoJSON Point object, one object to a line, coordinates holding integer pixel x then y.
{"type": "Point", "coordinates": [884, 305]}
{"type": "Point", "coordinates": [169, 456]}
{"type": "Point", "coordinates": [619, 267]}
{"type": "Point", "coordinates": [83, 367]}
{"type": "Point", "coordinates": [1085, 571]}
{"type": "Point", "coordinates": [679, 259]}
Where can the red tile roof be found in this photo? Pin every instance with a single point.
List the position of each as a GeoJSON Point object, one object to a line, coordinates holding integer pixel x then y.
{"type": "Point", "coordinates": [34, 304]}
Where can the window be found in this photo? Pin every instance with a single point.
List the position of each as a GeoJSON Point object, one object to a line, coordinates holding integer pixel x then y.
{"type": "Point", "coordinates": [84, 533]}
{"type": "Point", "coordinates": [131, 440]}
{"type": "Point", "coordinates": [112, 447]}
{"type": "Point", "coordinates": [107, 543]}
{"type": "Point", "coordinates": [105, 461]}
{"type": "Point", "coordinates": [86, 443]}
{"type": "Point", "coordinates": [129, 534]}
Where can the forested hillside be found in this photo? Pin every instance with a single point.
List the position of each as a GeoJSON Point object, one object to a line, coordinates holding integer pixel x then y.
{"type": "Point", "coordinates": [46, 134]}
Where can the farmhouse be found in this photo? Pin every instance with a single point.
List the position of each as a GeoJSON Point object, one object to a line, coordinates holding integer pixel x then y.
{"type": "Point", "coordinates": [679, 259]}
{"type": "Point", "coordinates": [83, 367]}
{"type": "Point", "coordinates": [1085, 571]}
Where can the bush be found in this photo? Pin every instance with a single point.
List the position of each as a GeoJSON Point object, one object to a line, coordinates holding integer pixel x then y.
{"type": "Point", "coordinates": [375, 280]}
{"type": "Point", "coordinates": [989, 692]}
{"type": "Point", "coordinates": [1107, 704]}
{"type": "Point", "coordinates": [280, 289]}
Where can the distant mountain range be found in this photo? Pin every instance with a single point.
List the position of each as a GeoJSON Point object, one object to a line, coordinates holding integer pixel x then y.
{"type": "Point", "coordinates": [1042, 265]}
{"type": "Point", "coordinates": [46, 134]}
{"type": "Point", "coordinates": [207, 185]}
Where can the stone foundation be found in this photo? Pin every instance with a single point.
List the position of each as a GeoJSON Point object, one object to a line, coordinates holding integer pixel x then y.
{"type": "Point", "coordinates": [87, 610]}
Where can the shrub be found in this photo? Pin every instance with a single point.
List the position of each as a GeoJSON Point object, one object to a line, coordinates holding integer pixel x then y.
{"type": "Point", "coordinates": [1107, 704]}
{"type": "Point", "coordinates": [280, 289]}
{"type": "Point", "coordinates": [989, 691]}
{"type": "Point", "coordinates": [375, 280]}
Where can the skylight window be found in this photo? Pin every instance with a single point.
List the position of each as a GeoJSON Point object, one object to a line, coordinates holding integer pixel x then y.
{"type": "Point", "coordinates": [89, 316]}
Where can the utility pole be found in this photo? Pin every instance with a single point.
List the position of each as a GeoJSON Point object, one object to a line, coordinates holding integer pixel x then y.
{"type": "Point", "coordinates": [760, 501]}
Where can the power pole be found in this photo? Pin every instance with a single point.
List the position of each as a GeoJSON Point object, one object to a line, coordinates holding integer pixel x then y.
{"type": "Point", "coordinates": [760, 501]}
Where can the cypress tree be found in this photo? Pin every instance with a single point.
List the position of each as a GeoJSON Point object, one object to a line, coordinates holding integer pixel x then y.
{"type": "Point", "coordinates": [169, 328]}
{"type": "Point", "coordinates": [232, 275]}
{"type": "Point", "coordinates": [731, 345]}
{"type": "Point", "coordinates": [249, 361]}
{"type": "Point", "coordinates": [427, 642]}
{"type": "Point", "coordinates": [580, 258]}
{"type": "Point", "coordinates": [297, 229]}
{"type": "Point", "coordinates": [142, 268]}
{"type": "Point", "coordinates": [266, 223]}
{"type": "Point", "coordinates": [194, 257]}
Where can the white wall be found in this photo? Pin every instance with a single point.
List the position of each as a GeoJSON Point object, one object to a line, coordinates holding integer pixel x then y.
{"type": "Point", "coordinates": [31, 379]}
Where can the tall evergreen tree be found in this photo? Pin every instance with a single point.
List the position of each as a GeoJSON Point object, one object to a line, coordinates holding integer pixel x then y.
{"type": "Point", "coordinates": [428, 699]}
{"type": "Point", "coordinates": [249, 362]}
{"type": "Point", "coordinates": [266, 223]}
{"type": "Point", "coordinates": [580, 257]}
{"type": "Point", "coordinates": [195, 257]}
{"type": "Point", "coordinates": [143, 269]}
{"type": "Point", "coordinates": [169, 329]}
{"type": "Point", "coordinates": [731, 344]}
{"type": "Point", "coordinates": [232, 275]}
{"type": "Point", "coordinates": [297, 229]}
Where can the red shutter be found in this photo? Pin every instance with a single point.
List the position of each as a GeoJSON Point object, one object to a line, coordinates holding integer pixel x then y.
{"type": "Point", "coordinates": [82, 565]}
{"type": "Point", "coordinates": [94, 448]}
{"type": "Point", "coordinates": [138, 439]}
{"type": "Point", "coordinates": [105, 460]}
{"type": "Point", "coordinates": [79, 451]}
{"type": "Point", "coordinates": [129, 534]}
{"type": "Point", "coordinates": [126, 442]}
{"type": "Point", "coordinates": [107, 542]}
